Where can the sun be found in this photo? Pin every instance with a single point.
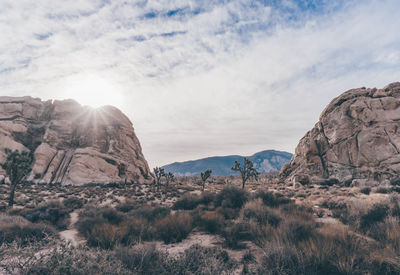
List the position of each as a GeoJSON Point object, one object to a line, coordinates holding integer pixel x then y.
{"type": "Point", "coordinates": [93, 90]}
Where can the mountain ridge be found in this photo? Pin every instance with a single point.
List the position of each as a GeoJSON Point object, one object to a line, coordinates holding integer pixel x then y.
{"type": "Point", "coordinates": [264, 161]}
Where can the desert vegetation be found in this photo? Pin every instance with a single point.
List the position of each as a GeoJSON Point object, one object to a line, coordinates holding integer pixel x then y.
{"type": "Point", "coordinates": [265, 228]}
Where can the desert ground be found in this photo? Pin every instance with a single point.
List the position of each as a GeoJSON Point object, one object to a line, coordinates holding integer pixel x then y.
{"type": "Point", "coordinates": [268, 228]}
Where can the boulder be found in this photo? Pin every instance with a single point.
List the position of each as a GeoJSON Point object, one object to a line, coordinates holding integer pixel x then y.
{"type": "Point", "coordinates": [72, 144]}
{"type": "Point", "coordinates": [357, 138]}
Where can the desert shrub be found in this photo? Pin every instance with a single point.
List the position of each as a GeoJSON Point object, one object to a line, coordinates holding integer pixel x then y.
{"type": "Point", "coordinates": [112, 185]}
{"type": "Point", "coordinates": [346, 213]}
{"type": "Point", "coordinates": [395, 182]}
{"type": "Point", "coordinates": [100, 226]}
{"type": "Point", "coordinates": [112, 215]}
{"type": "Point", "coordinates": [248, 257]}
{"type": "Point", "coordinates": [235, 233]}
{"type": "Point", "coordinates": [294, 229]}
{"type": "Point", "coordinates": [281, 259]}
{"type": "Point", "coordinates": [330, 182]}
{"type": "Point", "coordinates": [257, 211]}
{"type": "Point", "coordinates": [231, 197]}
{"type": "Point", "coordinates": [228, 213]}
{"type": "Point", "coordinates": [73, 203]}
{"type": "Point", "coordinates": [54, 213]}
{"type": "Point", "coordinates": [335, 250]}
{"type": "Point", "coordinates": [143, 259]}
{"type": "Point", "coordinates": [202, 260]}
{"type": "Point", "coordinates": [174, 228]}
{"type": "Point", "coordinates": [211, 221]}
{"type": "Point", "coordinates": [272, 199]}
{"type": "Point", "coordinates": [135, 230]}
{"type": "Point", "coordinates": [387, 233]}
{"type": "Point", "coordinates": [126, 206]}
{"type": "Point", "coordinates": [365, 190]}
{"type": "Point", "coordinates": [383, 190]}
{"type": "Point", "coordinates": [151, 213]}
{"type": "Point", "coordinates": [101, 215]}
{"type": "Point", "coordinates": [68, 260]}
{"type": "Point", "coordinates": [103, 235]}
{"type": "Point", "coordinates": [375, 214]}
{"type": "Point", "coordinates": [207, 197]}
{"type": "Point", "coordinates": [187, 202]}
{"type": "Point", "coordinates": [16, 228]}
{"type": "Point", "coordinates": [332, 250]}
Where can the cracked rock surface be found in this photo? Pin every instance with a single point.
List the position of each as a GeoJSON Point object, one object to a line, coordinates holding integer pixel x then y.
{"type": "Point", "coordinates": [357, 139]}
{"type": "Point", "coordinates": [72, 144]}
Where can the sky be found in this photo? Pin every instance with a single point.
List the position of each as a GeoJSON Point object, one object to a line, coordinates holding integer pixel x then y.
{"type": "Point", "coordinates": [201, 78]}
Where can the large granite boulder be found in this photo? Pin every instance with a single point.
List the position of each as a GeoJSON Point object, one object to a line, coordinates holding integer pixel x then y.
{"type": "Point", "coordinates": [356, 140]}
{"type": "Point", "coordinates": [72, 144]}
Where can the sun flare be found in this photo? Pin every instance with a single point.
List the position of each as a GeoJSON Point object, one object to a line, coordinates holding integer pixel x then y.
{"type": "Point", "coordinates": [93, 91]}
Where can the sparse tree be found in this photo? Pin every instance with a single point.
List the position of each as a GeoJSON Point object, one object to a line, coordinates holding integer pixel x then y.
{"type": "Point", "coordinates": [205, 176]}
{"type": "Point", "coordinates": [16, 166]}
{"type": "Point", "coordinates": [247, 171]}
{"type": "Point", "coordinates": [158, 173]}
{"type": "Point", "coordinates": [169, 177]}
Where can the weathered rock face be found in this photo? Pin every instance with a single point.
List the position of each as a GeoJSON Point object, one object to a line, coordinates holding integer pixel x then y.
{"type": "Point", "coordinates": [357, 139]}
{"type": "Point", "coordinates": [72, 144]}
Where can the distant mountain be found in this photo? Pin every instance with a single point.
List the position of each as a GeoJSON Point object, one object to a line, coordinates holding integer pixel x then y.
{"type": "Point", "coordinates": [265, 161]}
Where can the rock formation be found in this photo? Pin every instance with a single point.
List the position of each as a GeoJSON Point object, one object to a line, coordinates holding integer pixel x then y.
{"type": "Point", "coordinates": [356, 140]}
{"type": "Point", "coordinates": [72, 144]}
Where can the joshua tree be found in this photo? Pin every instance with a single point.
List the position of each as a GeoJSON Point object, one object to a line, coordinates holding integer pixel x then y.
{"type": "Point", "coordinates": [158, 173]}
{"type": "Point", "coordinates": [247, 171]}
{"type": "Point", "coordinates": [168, 178]}
{"type": "Point", "coordinates": [16, 166]}
{"type": "Point", "coordinates": [205, 176]}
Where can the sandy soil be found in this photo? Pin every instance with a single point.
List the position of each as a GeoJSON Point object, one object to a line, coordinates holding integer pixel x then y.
{"type": "Point", "coordinates": [71, 234]}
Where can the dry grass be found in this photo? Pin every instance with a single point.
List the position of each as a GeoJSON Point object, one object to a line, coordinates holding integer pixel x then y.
{"type": "Point", "coordinates": [285, 228]}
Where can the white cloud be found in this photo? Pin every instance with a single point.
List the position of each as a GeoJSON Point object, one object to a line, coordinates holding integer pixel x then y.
{"type": "Point", "coordinates": [204, 77]}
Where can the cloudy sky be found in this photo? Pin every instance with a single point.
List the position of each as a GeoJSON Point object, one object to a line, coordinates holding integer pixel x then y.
{"type": "Point", "coordinates": [201, 78]}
